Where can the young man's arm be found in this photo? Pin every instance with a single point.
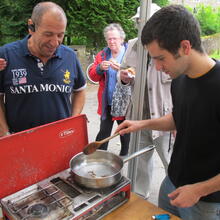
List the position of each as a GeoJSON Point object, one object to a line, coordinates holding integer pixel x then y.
{"type": "Point", "coordinates": [189, 195]}
{"type": "Point", "coordinates": [165, 123]}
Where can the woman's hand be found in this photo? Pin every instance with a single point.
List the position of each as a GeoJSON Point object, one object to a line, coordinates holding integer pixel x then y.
{"type": "Point", "coordinates": [115, 66]}
{"type": "Point", "coordinates": [104, 65]}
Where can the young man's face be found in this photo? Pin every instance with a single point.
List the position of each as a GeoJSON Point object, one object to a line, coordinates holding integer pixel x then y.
{"type": "Point", "coordinates": [174, 65]}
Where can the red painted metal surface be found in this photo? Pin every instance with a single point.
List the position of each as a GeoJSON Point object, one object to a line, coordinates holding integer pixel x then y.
{"type": "Point", "coordinates": [35, 154]}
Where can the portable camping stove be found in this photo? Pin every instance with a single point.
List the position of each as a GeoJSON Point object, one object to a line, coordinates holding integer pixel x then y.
{"type": "Point", "coordinates": [60, 198]}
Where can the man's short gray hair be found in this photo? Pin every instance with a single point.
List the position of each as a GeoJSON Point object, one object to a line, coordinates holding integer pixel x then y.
{"type": "Point", "coordinates": [42, 8]}
{"type": "Point", "coordinates": [114, 26]}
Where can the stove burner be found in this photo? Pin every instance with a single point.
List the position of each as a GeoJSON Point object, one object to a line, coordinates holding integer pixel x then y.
{"type": "Point", "coordinates": [38, 210]}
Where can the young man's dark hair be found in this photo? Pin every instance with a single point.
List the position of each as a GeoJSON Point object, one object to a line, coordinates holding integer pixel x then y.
{"type": "Point", "coordinates": [169, 26]}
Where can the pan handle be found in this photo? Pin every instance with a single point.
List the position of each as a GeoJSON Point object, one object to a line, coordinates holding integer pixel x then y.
{"type": "Point", "coordinates": [138, 153]}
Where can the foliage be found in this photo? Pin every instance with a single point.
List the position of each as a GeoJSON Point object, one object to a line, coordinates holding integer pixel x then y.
{"type": "Point", "coordinates": [216, 55]}
{"type": "Point", "coordinates": [88, 18]}
{"type": "Point", "coordinates": [14, 16]}
{"type": "Point", "coordinates": [209, 18]}
{"type": "Point", "coordinates": [161, 3]}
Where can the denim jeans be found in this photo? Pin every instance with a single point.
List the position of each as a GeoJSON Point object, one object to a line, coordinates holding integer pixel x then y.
{"type": "Point", "coordinates": [200, 211]}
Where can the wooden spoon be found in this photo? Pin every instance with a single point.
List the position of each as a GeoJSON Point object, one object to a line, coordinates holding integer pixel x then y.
{"type": "Point", "coordinates": [91, 147]}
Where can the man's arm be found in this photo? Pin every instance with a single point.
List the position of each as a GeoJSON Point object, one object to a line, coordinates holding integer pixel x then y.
{"type": "Point", "coordinates": [3, 64]}
{"type": "Point", "coordinates": [165, 123]}
{"type": "Point", "coordinates": [3, 124]}
{"type": "Point", "coordinates": [189, 195]}
{"type": "Point", "coordinates": [78, 101]}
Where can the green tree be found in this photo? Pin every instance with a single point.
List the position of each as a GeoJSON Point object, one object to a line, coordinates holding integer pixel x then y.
{"type": "Point", "coordinates": [161, 3]}
{"type": "Point", "coordinates": [208, 19]}
{"type": "Point", "coordinates": [13, 22]}
{"type": "Point", "coordinates": [87, 18]}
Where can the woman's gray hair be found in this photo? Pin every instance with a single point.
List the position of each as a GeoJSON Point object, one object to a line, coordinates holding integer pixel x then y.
{"type": "Point", "coordinates": [114, 26]}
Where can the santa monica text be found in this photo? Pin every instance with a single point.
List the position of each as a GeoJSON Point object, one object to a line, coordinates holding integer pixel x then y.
{"type": "Point", "coordinates": [40, 88]}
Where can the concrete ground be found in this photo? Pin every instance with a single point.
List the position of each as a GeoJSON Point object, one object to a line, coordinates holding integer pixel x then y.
{"type": "Point", "coordinates": [90, 110]}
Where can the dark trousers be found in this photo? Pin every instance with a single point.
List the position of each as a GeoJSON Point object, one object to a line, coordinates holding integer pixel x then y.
{"type": "Point", "coordinates": [105, 131]}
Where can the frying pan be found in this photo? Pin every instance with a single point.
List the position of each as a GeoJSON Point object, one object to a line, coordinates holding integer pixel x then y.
{"type": "Point", "coordinates": [100, 169]}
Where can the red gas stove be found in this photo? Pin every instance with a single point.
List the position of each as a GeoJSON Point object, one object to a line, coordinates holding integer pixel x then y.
{"type": "Point", "coordinates": [40, 185]}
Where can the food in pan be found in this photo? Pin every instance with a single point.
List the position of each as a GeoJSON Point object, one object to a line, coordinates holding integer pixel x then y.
{"type": "Point", "coordinates": [92, 174]}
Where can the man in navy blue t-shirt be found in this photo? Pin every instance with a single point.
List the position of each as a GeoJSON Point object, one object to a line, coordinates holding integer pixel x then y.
{"type": "Point", "coordinates": [42, 81]}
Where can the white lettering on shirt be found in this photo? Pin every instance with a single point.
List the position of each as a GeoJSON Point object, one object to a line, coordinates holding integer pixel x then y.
{"type": "Point", "coordinates": [26, 89]}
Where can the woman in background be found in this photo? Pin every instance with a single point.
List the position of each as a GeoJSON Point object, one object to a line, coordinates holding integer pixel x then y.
{"type": "Point", "coordinates": [104, 70]}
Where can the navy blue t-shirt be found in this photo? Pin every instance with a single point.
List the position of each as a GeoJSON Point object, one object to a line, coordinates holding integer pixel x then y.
{"type": "Point", "coordinates": [36, 94]}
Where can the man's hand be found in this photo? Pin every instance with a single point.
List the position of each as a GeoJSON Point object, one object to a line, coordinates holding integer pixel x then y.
{"type": "Point", "coordinates": [3, 124]}
{"type": "Point", "coordinates": [189, 195]}
{"type": "Point", "coordinates": [125, 76]}
{"type": "Point", "coordinates": [129, 126]}
{"type": "Point", "coordinates": [185, 196]}
{"type": "Point", "coordinates": [3, 64]}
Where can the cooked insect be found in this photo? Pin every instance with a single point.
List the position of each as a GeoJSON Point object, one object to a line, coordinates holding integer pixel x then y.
{"type": "Point", "coordinates": [92, 174]}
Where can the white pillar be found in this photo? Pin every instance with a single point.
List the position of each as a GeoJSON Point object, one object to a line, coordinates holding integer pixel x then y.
{"type": "Point", "coordinates": [139, 88]}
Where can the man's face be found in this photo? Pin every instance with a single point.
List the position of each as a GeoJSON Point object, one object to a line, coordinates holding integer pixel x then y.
{"type": "Point", "coordinates": [48, 35]}
{"type": "Point", "coordinates": [174, 65]}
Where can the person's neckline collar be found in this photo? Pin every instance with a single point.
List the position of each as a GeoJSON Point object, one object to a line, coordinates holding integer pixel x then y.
{"type": "Point", "coordinates": [210, 66]}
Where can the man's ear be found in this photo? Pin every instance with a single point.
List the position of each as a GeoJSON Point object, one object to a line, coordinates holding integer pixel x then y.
{"type": "Point", "coordinates": [31, 26]}
{"type": "Point", "coordinates": [185, 46]}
